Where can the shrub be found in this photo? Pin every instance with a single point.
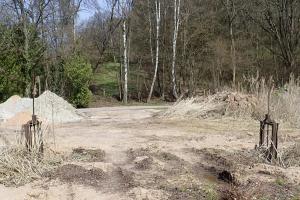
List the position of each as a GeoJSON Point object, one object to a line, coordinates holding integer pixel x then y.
{"type": "Point", "coordinates": [78, 73]}
{"type": "Point", "coordinates": [82, 98]}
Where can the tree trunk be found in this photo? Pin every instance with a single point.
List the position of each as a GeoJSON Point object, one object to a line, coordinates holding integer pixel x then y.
{"type": "Point", "coordinates": [175, 34]}
{"type": "Point", "coordinates": [157, 9]}
{"type": "Point", "coordinates": [125, 93]}
{"type": "Point", "coordinates": [150, 33]}
{"type": "Point", "coordinates": [233, 55]}
{"type": "Point", "coordinates": [231, 16]}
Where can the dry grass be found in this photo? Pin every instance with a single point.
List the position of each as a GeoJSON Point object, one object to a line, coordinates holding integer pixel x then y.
{"type": "Point", "coordinates": [291, 156]}
{"type": "Point", "coordinates": [249, 102]}
{"type": "Point", "coordinates": [18, 166]}
{"type": "Point", "coordinates": [191, 108]}
{"type": "Point", "coordinates": [224, 103]}
{"type": "Point", "coordinates": [284, 102]}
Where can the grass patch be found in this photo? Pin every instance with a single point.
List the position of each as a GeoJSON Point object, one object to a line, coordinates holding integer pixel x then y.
{"type": "Point", "coordinates": [105, 86]}
{"type": "Point", "coordinates": [106, 78]}
{"type": "Point", "coordinates": [296, 198]}
{"type": "Point", "coordinates": [280, 181]}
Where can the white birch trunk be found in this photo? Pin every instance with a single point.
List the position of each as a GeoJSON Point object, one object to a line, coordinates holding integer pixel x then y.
{"type": "Point", "coordinates": [150, 33]}
{"type": "Point", "coordinates": [175, 35]}
{"type": "Point", "coordinates": [125, 92]}
{"type": "Point", "coordinates": [233, 55]}
{"type": "Point", "coordinates": [158, 17]}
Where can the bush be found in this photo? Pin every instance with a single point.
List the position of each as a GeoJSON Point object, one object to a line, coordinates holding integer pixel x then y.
{"type": "Point", "coordinates": [82, 98]}
{"type": "Point", "coordinates": [78, 73]}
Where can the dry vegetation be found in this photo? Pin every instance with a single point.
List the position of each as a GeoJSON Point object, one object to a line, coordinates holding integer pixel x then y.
{"type": "Point", "coordinates": [18, 166]}
{"type": "Point", "coordinates": [252, 104]}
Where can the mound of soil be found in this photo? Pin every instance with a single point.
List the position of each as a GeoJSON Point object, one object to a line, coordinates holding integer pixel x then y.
{"type": "Point", "coordinates": [48, 106]}
{"type": "Point", "coordinates": [122, 179]}
{"type": "Point", "coordinates": [141, 157]}
{"type": "Point", "coordinates": [88, 155]}
{"type": "Point", "coordinates": [134, 153]}
{"type": "Point", "coordinates": [71, 173]}
{"type": "Point", "coordinates": [143, 162]}
{"type": "Point", "coordinates": [19, 119]}
{"type": "Point", "coordinates": [220, 104]}
{"type": "Point", "coordinates": [172, 162]}
{"type": "Point", "coordinates": [166, 156]}
{"type": "Point", "coordinates": [117, 180]}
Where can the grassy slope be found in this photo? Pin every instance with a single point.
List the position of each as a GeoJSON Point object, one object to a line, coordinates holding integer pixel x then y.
{"type": "Point", "coordinates": [106, 78]}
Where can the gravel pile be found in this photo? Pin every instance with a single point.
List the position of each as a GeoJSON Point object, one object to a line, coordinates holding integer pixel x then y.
{"type": "Point", "coordinates": [48, 107]}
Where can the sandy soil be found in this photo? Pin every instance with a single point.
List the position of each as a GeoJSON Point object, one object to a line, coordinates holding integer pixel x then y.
{"type": "Point", "coordinates": [135, 155]}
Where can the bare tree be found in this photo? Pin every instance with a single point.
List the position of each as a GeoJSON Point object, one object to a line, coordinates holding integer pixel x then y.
{"type": "Point", "coordinates": [231, 16]}
{"type": "Point", "coordinates": [68, 12]}
{"type": "Point", "coordinates": [280, 19]}
{"type": "Point", "coordinates": [158, 19]}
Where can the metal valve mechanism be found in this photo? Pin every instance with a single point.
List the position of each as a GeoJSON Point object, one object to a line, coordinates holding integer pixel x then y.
{"type": "Point", "coordinates": [268, 137]}
{"type": "Point", "coordinates": [268, 134]}
{"type": "Point", "coordinates": [33, 128]}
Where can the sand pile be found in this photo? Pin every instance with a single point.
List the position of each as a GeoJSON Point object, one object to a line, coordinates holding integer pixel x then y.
{"type": "Point", "coordinates": [220, 104]}
{"type": "Point", "coordinates": [48, 106]}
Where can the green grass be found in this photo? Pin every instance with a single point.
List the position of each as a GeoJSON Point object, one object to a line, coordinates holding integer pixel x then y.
{"type": "Point", "coordinates": [280, 181]}
{"type": "Point", "coordinates": [106, 78]}
{"type": "Point", "coordinates": [296, 198]}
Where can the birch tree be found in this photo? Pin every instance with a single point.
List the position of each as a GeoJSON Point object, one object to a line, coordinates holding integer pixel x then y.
{"type": "Point", "coordinates": [158, 19]}
{"type": "Point", "coordinates": [150, 32]}
{"type": "Point", "coordinates": [125, 11]}
{"type": "Point", "coordinates": [125, 63]}
{"type": "Point", "coordinates": [231, 15]}
{"type": "Point", "coordinates": [175, 35]}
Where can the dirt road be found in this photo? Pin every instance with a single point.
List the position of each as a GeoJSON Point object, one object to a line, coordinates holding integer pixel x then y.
{"type": "Point", "coordinates": [129, 153]}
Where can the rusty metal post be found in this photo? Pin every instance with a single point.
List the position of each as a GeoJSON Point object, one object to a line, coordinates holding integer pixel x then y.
{"type": "Point", "coordinates": [267, 140]}
{"type": "Point", "coordinates": [28, 136]}
{"type": "Point", "coordinates": [32, 129]}
{"type": "Point", "coordinates": [261, 134]}
{"type": "Point", "coordinates": [274, 139]}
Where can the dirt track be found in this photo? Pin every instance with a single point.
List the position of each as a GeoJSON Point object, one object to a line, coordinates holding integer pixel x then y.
{"type": "Point", "coordinates": [145, 157]}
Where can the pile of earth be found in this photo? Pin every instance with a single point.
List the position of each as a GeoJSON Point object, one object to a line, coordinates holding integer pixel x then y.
{"type": "Point", "coordinates": [49, 107]}
{"type": "Point", "coordinates": [220, 104]}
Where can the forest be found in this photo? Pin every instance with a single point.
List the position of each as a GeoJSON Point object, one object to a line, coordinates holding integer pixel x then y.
{"type": "Point", "coordinates": [151, 49]}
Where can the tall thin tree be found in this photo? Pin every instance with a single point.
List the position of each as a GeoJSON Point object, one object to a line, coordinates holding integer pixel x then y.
{"type": "Point", "coordinates": [158, 19]}
{"type": "Point", "coordinates": [175, 35]}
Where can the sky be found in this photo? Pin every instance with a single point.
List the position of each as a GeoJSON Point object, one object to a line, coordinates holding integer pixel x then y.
{"type": "Point", "coordinates": [85, 13]}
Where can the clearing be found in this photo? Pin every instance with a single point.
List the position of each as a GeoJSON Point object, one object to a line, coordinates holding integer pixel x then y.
{"type": "Point", "coordinates": [130, 153]}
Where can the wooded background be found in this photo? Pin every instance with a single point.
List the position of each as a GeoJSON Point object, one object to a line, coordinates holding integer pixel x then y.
{"type": "Point", "coordinates": [155, 48]}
